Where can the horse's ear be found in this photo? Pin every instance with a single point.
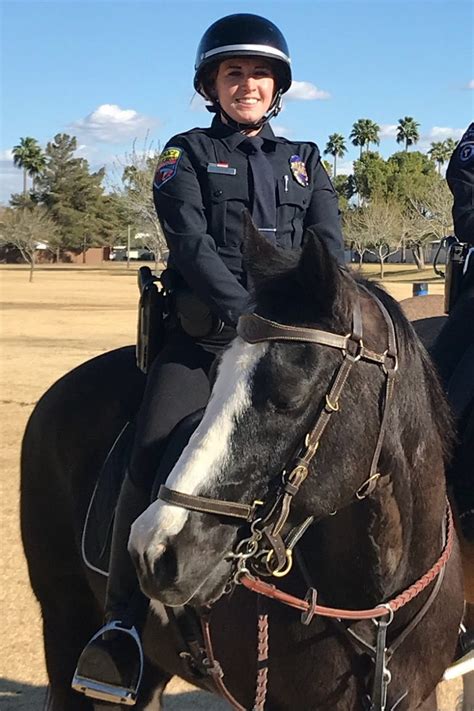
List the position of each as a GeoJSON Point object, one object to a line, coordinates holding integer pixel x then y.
{"type": "Point", "coordinates": [318, 271]}
{"type": "Point", "coordinates": [259, 253]}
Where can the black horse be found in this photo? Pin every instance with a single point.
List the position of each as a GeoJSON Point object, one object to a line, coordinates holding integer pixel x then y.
{"type": "Point", "coordinates": [357, 553]}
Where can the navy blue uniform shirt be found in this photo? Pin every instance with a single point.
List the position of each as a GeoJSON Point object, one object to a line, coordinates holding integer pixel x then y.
{"type": "Point", "coordinates": [202, 185]}
{"type": "Point", "coordinates": [460, 177]}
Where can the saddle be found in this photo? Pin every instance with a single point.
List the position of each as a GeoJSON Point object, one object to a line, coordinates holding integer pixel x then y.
{"type": "Point", "coordinates": [98, 524]}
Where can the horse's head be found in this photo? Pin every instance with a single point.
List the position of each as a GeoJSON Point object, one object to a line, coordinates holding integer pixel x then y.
{"type": "Point", "coordinates": [266, 398]}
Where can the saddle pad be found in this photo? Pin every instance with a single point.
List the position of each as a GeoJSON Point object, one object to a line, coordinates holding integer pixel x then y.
{"type": "Point", "coordinates": [98, 525]}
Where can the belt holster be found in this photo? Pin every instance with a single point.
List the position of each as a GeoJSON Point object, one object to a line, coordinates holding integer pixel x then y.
{"type": "Point", "coordinates": [456, 257]}
{"type": "Point", "coordinates": [152, 314]}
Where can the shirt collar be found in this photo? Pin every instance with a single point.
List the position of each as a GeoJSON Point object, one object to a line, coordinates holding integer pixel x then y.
{"type": "Point", "coordinates": [232, 138]}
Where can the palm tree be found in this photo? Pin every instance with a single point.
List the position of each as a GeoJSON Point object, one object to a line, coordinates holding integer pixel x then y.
{"type": "Point", "coordinates": [28, 155]}
{"type": "Point", "coordinates": [364, 132]}
{"type": "Point", "coordinates": [335, 147]}
{"type": "Point", "coordinates": [450, 144]}
{"type": "Point", "coordinates": [407, 131]}
{"type": "Point", "coordinates": [440, 153]}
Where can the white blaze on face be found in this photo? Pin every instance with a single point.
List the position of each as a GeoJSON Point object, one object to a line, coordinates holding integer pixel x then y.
{"type": "Point", "coordinates": [205, 455]}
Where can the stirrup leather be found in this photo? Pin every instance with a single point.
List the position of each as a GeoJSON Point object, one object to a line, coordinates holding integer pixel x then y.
{"type": "Point", "coordinates": [102, 690]}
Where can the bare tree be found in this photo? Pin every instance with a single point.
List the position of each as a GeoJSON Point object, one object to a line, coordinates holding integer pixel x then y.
{"type": "Point", "coordinates": [355, 233]}
{"type": "Point", "coordinates": [26, 229]}
{"type": "Point", "coordinates": [134, 185]}
{"type": "Point", "coordinates": [429, 219]}
{"type": "Point", "coordinates": [378, 228]}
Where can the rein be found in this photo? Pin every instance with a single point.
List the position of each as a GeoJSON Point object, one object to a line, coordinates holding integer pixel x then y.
{"type": "Point", "coordinates": [265, 551]}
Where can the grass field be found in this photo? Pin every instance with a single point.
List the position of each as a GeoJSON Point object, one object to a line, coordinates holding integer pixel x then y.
{"type": "Point", "coordinates": [67, 315]}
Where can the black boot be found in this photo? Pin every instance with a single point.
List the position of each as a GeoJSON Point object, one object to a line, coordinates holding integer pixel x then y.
{"type": "Point", "coordinates": [111, 665]}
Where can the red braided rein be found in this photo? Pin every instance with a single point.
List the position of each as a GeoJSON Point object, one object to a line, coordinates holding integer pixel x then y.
{"type": "Point", "coordinates": [307, 606]}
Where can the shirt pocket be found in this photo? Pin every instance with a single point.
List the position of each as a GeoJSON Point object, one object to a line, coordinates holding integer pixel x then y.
{"type": "Point", "coordinates": [228, 195]}
{"type": "Point", "coordinates": [293, 202]}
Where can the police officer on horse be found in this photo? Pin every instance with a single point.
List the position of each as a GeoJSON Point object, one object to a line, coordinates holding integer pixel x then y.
{"type": "Point", "coordinates": [204, 180]}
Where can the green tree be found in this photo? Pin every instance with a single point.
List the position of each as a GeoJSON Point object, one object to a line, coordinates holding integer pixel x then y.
{"type": "Point", "coordinates": [26, 229]}
{"type": "Point", "coordinates": [327, 167]}
{"type": "Point", "coordinates": [73, 196]}
{"type": "Point", "coordinates": [28, 156]}
{"type": "Point", "coordinates": [371, 174]}
{"type": "Point", "coordinates": [344, 185]}
{"type": "Point", "coordinates": [364, 132]}
{"type": "Point", "coordinates": [410, 175]}
{"type": "Point", "coordinates": [407, 131]}
{"type": "Point", "coordinates": [335, 147]}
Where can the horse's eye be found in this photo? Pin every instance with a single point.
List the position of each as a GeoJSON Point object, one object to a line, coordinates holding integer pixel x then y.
{"type": "Point", "coordinates": [288, 395]}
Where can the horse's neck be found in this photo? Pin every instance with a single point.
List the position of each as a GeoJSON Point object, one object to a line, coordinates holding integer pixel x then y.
{"type": "Point", "coordinates": [376, 547]}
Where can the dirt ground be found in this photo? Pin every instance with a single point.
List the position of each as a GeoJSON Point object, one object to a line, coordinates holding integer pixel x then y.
{"type": "Point", "coordinates": [67, 315]}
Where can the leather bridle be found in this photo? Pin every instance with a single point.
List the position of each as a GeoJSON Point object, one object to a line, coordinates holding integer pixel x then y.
{"type": "Point", "coordinates": [265, 552]}
{"type": "Point", "coordinates": [266, 548]}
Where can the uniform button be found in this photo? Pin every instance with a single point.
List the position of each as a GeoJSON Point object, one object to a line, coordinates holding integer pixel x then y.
{"type": "Point", "coordinates": [218, 193]}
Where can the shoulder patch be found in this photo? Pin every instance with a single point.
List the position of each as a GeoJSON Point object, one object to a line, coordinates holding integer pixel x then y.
{"type": "Point", "coordinates": [466, 151]}
{"type": "Point", "coordinates": [167, 166]}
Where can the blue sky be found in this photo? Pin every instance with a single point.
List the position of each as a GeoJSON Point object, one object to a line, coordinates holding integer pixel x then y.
{"type": "Point", "coordinates": [111, 71]}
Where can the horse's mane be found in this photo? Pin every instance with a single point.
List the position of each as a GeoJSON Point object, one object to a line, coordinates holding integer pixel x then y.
{"type": "Point", "coordinates": [413, 348]}
{"type": "Point", "coordinates": [280, 274]}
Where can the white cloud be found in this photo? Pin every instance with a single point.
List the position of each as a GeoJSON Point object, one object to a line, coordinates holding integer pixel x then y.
{"type": "Point", "coordinates": [112, 124]}
{"type": "Point", "coordinates": [470, 84]}
{"type": "Point", "coordinates": [440, 133]}
{"type": "Point", "coordinates": [345, 168]}
{"type": "Point", "coordinates": [305, 91]}
{"type": "Point", "coordinates": [279, 130]}
{"type": "Point", "coordinates": [7, 155]}
{"type": "Point", "coordinates": [388, 130]}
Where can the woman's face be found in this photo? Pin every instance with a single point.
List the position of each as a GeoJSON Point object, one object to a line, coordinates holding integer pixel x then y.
{"type": "Point", "coordinates": [245, 87]}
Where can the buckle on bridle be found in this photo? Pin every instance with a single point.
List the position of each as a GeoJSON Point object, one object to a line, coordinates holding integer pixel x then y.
{"type": "Point", "coordinates": [390, 364]}
{"type": "Point", "coordinates": [357, 345]}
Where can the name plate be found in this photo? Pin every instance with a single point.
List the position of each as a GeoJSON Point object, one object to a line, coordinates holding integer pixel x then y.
{"type": "Point", "coordinates": [221, 168]}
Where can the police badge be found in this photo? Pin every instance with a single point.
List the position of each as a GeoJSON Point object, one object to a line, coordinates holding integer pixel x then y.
{"type": "Point", "coordinates": [298, 170]}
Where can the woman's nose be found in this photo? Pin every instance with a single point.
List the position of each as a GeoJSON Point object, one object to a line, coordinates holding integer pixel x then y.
{"type": "Point", "coordinates": [249, 82]}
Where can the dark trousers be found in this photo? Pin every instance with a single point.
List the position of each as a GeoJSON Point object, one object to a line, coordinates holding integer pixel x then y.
{"type": "Point", "coordinates": [452, 350]}
{"type": "Point", "coordinates": [177, 385]}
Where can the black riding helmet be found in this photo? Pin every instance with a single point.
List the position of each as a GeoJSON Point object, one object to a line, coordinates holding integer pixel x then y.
{"type": "Point", "coordinates": [243, 35]}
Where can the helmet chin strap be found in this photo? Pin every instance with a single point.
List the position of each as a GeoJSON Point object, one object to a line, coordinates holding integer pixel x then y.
{"type": "Point", "coordinates": [275, 109]}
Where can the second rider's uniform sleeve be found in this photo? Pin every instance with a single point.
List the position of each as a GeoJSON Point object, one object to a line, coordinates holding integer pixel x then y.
{"type": "Point", "coordinates": [460, 177]}
{"type": "Point", "coordinates": [323, 211]}
{"type": "Point", "coordinates": [179, 203]}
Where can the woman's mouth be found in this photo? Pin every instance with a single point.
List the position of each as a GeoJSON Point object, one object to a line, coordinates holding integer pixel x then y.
{"type": "Point", "coordinates": [246, 102]}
